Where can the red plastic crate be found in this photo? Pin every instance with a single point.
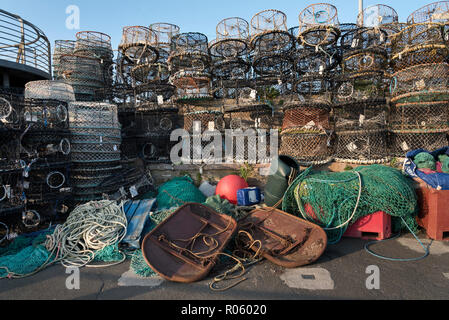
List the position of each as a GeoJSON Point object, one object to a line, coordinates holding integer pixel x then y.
{"type": "Point", "coordinates": [434, 211]}
{"type": "Point", "coordinates": [376, 226]}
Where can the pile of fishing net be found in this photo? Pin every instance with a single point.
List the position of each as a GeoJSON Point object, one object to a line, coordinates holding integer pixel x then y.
{"type": "Point", "coordinates": [91, 234]}
{"type": "Point", "coordinates": [335, 200]}
{"type": "Point", "coordinates": [178, 191]}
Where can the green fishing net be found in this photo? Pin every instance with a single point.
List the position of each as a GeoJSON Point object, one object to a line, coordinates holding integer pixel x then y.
{"type": "Point", "coordinates": [332, 200]}
{"type": "Point", "coordinates": [177, 192]}
{"type": "Point", "coordinates": [445, 165]}
{"type": "Point", "coordinates": [425, 160]}
{"type": "Point", "coordinates": [24, 262]}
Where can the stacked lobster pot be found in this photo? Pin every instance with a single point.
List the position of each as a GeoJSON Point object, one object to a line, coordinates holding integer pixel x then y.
{"type": "Point", "coordinates": [95, 139]}
{"type": "Point", "coordinates": [420, 84]}
{"type": "Point", "coordinates": [203, 141]}
{"type": "Point", "coordinates": [307, 130]}
{"type": "Point", "coordinates": [62, 47]}
{"type": "Point", "coordinates": [46, 148]}
{"type": "Point", "coordinates": [154, 125]}
{"type": "Point", "coordinates": [97, 45]}
{"type": "Point", "coordinates": [11, 167]}
{"type": "Point", "coordinates": [189, 64]}
{"type": "Point", "coordinates": [360, 105]}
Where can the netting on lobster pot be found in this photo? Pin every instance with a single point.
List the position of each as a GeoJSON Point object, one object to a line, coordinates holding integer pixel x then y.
{"type": "Point", "coordinates": [363, 146]}
{"type": "Point", "coordinates": [315, 87]}
{"type": "Point", "coordinates": [11, 190]}
{"type": "Point", "coordinates": [128, 148]}
{"type": "Point", "coordinates": [49, 90]}
{"type": "Point", "coordinates": [365, 60]}
{"type": "Point", "coordinates": [419, 115]}
{"type": "Point", "coordinates": [306, 146]}
{"type": "Point", "coordinates": [361, 116]}
{"type": "Point", "coordinates": [359, 87]}
{"type": "Point", "coordinates": [93, 114]}
{"type": "Point", "coordinates": [11, 110]}
{"type": "Point", "coordinates": [47, 182]}
{"type": "Point", "coordinates": [92, 43]}
{"type": "Point", "coordinates": [9, 150]}
{"type": "Point", "coordinates": [40, 114]}
{"type": "Point", "coordinates": [51, 145]}
{"type": "Point", "coordinates": [155, 148]}
{"type": "Point", "coordinates": [251, 116]}
{"type": "Point", "coordinates": [157, 120]}
{"type": "Point", "coordinates": [274, 65]}
{"type": "Point", "coordinates": [230, 70]}
{"type": "Point", "coordinates": [312, 62]}
{"type": "Point", "coordinates": [191, 85]}
{"type": "Point", "coordinates": [164, 33]}
{"type": "Point", "coordinates": [269, 33]}
{"type": "Point", "coordinates": [144, 73]}
{"type": "Point", "coordinates": [418, 44]}
{"type": "Point", "coordinates": [197, 148]}
{"type": "Point", "coordinates": [422, 96]}
{"type": "Point", "coordinates": [189, 51]}
{"type": "Point", "coordinates": [364, 38]}
{"type": "Point", "coordinates": [403, 141]}
{"type": "Point", "coordinates": [62, 47]}
{"type": "Point", "coordinates": [207, 120]}
{"type": "Point", "coordinates": [232, 38]}
{"type": "Point", "coordinates": [437, 12]}
{"type": "Point", "coordinates": [319, 25]}
{"type": "Point", "coordinates": [307, 116]}
{"type": "Point", "coordinates": [420, 78]}
{"type": "Point", "coordinates": [136, 44]}
{"type": "Point", "coordinates": [83, 74]}
{"type": "Point", "coordinates": [378, 15]}
{"type": "Point", "coordinates": [250, 145]}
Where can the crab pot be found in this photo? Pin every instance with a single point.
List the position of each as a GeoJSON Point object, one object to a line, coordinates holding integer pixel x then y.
{"type": "Point", "coordinates": [255, 149]}
{"type": "Point", "coordinates": [232, 38]}
{"type": "Point", "coordinates": [269, 33]}
{"type": "Point", "coordinates": [403, 141]}
{"type": "Point", "coordinates": [47, 182]}
{"type": "Point", "coordinates": [157, 120]}
{"type": "Point", "coordinates": [299, 115]}
{"type": "Point", "coordinates": [191, 85]}
{"type": "Point", "coordinates": [256, 116]}
{"type": "Point", "coordinates": [154, 148]}
{"type": "Point", "coordinates": [189, 51]}
{"type": "Point", "coordinates": [378, 15]}
{"type": "Point", "coordinates": [164, 33]}
{"type": "Point", "coordinates": [420, 78]}
{"type": "Point", "coordinates": [9, 150]}
{"type": "Point", "coordinates": [435, 12]}
{"type": "Point", "coordinates": [362, 146]}
{"type": "Point", "coordinates": [364, 60]}
{"type": "Point", "coordinates": [364, 38]}
{"type": "Point", "coordinates": [201, 121]}
{"type": "Point", "coordinates": [11, 189]}
{"type": "Point", "coordinates": [360, 87]}
{"type": "Point", "coordinates": [230, 71]}
{"type": "Point", "coordinates": [318, 25]}
{"type": "Point", "coordinates": [45, 114]}
{"type": "Point", "coordinates": [11, 110]}
{"type": "Point", "coordinates": [311, 62]}
{"type": "Point", "coordinates": [361, 116]}
{"type": "Point", "coordinates": [432, 115]}
{"type": "Point", "coordinates": [306, 147]}
{"type": "Point", "coordinates": [276, 65]}
{"type": "Point", "coordinates": [62, 47]}
{"type": "Point", "coordinates": [314, 87]}
{"type": "Point", "coordinates": [51, 145]}
{"type": "Point", "coordinates": [83, 73]}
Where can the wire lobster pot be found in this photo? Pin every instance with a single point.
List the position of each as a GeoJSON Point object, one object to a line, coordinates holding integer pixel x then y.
{"type": "Point", "coordinates": [361, 116]}
{"type": "Point", "coordinates": [11, 109]}
{"type": "Point", "coordinates": [155, 148]}
{"type": "Point", "coordinates": [232, 38]}
{"type": "Point", "coordinates": [164, 33]}
{"type": "Point", "coordinates": [378, 15]}
{"type": "Point", "coordinates": [189, 52]}
{"type": "Point", "coordinates": [95, 44]}
{"type": "Point", "coordinates": [11, 190]}
{"type": "Point", "coordinates": [362, 38]}
{"type": "Point", "coordinates": [307, 116]}
{"type": "Point", "coordinates": [191, 85]}
{"type": "Point", "coordinates": [62, 47]}
{"type": "Point", "coordinates": [83, 74]}
{"type": "Point", "coordinates": [362, 146]}
{"type": "Point", "coordinates": [419, 44]}
{"type": "Point", "coordinates": [311, 62]}
{"type": "Point", "coordinates": [41, 114]}
{"type": "Point", "coordinates": [10, 150]}
{"type": "Point", "coordinates": [436, 12]}
{"type": "Point", "coordinates": [207, 120]}
{"type": "Point", "coordinates": [314, 88]}
{"type": "Point", "coordinates": [253, 116]}
{"type": "Point", "coordinates": [420, 78]}
{"type": "Point", "coordinates": [269, 33]}
{"type": "Point", "coordinates": [422, 116]}
{"type": "Point", "coordinates": [319, 25]}
{"type": "Point", "coordinates": [52, 145]}
{"type": "Point", "coordinates": [307, 147]}
{"type": "Point", "coordinates": [157, 120]}
{"type": "Point", "coordinates": [49, 90]}
{"type": "Point", "coordinates": [359, 87]}
{"type": "Point", "coordinates": [403, 141]}
{"type": "Point", "coordinates": [138, 44]}
{"type": "Point", "coordinates": [365, 60]}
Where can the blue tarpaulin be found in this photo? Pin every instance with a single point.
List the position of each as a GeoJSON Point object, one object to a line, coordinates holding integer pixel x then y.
{"type": "Point", "coordinates": [437, 180]}
{"type": "Point", "coordinates": [137, 214]}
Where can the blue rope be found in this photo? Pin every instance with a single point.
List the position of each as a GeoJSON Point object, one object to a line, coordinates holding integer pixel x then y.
{"type": "Point", "coordinates": [426, 249]}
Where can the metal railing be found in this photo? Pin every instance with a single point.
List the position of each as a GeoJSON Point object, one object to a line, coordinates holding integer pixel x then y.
{"type": "Point", "coordinates": [24, 43]}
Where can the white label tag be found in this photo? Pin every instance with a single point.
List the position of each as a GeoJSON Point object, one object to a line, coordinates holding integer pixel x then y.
{"type": "Point", "coordinates": [197, 126]}
{"type": "Point", "coordinates": [310, 125]}
{"type": "Point", "coordinates": [253, 94]}
{"type": "Point", "coordinates": [133, 191]}
{"type": "Point", "coordinates": [26, 185]}
{"type": "Point", "coordinates": [355, 43]}
{"type": "Point", "coordinates": [351, 147]}
{"type": "Point", "coordinates": [115, 147]}
{"type": "Point", "coordinates": [252, 196]}
{"type": "Point", "coordinates": [122, 191]}
{"type": "Point", "coordinates": [211, 126]}
{"type": "Point", "coordinates": [405, 146]}
{"type": "Point", "coordinates": [34, 118]}
{"type": "Point", "coordinates": [101, 139]}
{"type": "Point", "coordinates": [420, 85]}
{"type": "Point", "coordinates": [8, 191]}
{"type": "Point", "coordinates": [160, 100]}
{"type": "Point", "coordinates": [361, 120]}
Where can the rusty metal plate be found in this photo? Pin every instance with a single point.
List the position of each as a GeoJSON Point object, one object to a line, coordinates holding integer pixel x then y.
{"type": "Point", "coordinates": [285, 240]}
{"type": "Point", "coordinates": [185, 246]}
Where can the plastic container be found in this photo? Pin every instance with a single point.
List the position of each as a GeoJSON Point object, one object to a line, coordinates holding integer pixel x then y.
{"type": "Point", "coordinates": [249, 196]}
{"type": "Point", "coordinates": [376, 226]}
